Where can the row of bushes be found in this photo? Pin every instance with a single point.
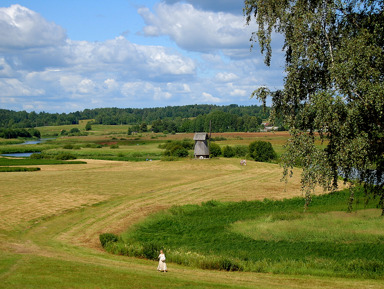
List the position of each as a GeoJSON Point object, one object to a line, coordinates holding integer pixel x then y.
{"type": "Point", "coordinates": [19, 132]}
{"type": "Point", "coordinates": [64, 156]}
{"type": "Point", "coordinates": [177, 148]}
{"type": "Point", "coordinates": [18, 169]}
{"type": "Point", "coordinates": [73, 132]}
{"type": "Point", "coordinates": [260, 151]}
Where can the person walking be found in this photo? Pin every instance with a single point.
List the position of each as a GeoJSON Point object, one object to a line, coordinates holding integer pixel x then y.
{"type": "Point", "coordinates": [162, 267]}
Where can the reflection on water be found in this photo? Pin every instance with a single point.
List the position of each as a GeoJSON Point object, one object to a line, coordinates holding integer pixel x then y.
{"type": "Point", "coordinates": [27, 155]}
{"type": "Point", "coordinates": [19, 155]}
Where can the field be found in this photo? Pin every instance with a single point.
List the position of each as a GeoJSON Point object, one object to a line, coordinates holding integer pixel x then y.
{"type": "Point", "coordinates": [50, 221]}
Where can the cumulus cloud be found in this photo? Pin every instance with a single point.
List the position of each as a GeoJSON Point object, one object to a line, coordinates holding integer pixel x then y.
{"type": "Point", "coordinates": [22, 28]}
{"type": "Point", "coordinates": [196, 30]}
{"type": "Point", "coordinates": [208, 98]}
{"type": "Point", "coordinates": [226, 76]}
{"type": "Point", "coordinates": [42, 69]}
{"type": "Point", "coordinates": [11, 87]}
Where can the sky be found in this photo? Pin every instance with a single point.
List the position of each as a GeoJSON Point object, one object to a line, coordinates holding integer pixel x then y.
{"type": "Point", "coordinates": [64, 56]}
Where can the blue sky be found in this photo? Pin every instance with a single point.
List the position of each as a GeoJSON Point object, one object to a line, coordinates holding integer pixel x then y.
{"type": "Point", "coordinates": [64, 56]}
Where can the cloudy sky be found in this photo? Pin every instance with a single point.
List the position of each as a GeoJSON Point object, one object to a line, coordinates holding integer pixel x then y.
{"type": "Point", "coordinates": [64, 56]}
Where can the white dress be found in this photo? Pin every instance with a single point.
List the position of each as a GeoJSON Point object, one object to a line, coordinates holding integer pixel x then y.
{"type": "Point", "coordinates": [162, 265]}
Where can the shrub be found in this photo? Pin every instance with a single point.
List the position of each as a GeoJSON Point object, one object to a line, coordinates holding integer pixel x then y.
{"type": "Point", "coordinates": [177, 148]}
{"type": "Point", "coordinates": [151, 251]}
{"type": "Point", "coordinates": [65, 156]}
{"type": "Point", "coordinates": [68, 147]}
{"type": "Point", "coordinates": [18, 169]}
{"type": "Point", "coordinates": [88, 126]}
{"type": "Point", "coordinates": [214, 150]}
{"type": "Point", "coordinates": [37, 156]}
{"type": "Point", "coordinates": [262, 151]}
{"type": "Point", "coordinates": [107, 238]}
{"type": "Point", "coordinates": [178, 151]}
{"type": "Point", "coordinates": [114, 146]}
{"type": "Point", "coordinates": [240, 151]}
{"type": "Point", "coordinates": [228, 152]}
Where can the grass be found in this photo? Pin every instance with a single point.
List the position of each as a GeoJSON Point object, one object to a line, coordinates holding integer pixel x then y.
{"type": "Point", "coordinates": [262, 236]}
{"type": "Point", "coordinates": [50, 221]}
{"type": "Point", "coordinates": [363, 226]}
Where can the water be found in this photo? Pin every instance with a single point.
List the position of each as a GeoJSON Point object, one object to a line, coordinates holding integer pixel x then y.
{"type": "Point", "coordinates": [19, 155]}
{"type": "Point", "coordinates": [27, 155]}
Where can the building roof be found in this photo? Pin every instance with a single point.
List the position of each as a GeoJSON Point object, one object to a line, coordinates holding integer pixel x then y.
{"type": "Point", "coordinates": [202, 136]}
{"type": "Point", "coordinates": [201, 149]}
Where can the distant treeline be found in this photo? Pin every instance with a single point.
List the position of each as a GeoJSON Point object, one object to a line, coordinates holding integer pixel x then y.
{"type": "Point", "coordinates": [188, 118]}
{"type": "Point", "coordinates": [19, 132]}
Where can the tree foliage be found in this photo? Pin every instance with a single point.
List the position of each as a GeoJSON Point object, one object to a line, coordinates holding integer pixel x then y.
{"type": "Point", "coordinates": [187, 118]}
{"type": "Point", "coordinates": [262, 151]}
{"type": "Point", "coordinates": [214, 150]}
{"type": "Point", "coordinates": [334, 64]}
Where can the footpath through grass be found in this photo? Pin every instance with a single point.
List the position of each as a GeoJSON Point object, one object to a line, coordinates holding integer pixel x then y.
{"type": "Point", "coordinates": [237, 237]}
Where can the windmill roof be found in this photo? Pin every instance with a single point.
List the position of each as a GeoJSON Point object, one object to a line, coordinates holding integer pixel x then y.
{"type": "Point", "coordinates": [200, 136]}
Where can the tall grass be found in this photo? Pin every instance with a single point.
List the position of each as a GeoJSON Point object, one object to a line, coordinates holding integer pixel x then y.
{"type": "Point", "coordinates": [204, 236]}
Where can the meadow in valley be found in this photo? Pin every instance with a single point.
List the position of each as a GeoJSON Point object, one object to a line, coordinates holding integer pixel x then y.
{"type": "Point", "coordinates": [222, 225]}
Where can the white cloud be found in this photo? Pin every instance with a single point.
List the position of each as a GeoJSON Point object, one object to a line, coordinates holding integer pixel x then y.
{"type": "Point", "coordinates": [41, 69]}
{"type": "Point", "coordinates": [208, 98]}
{"type": "Point", "coordinates": [238, 92]}
{"type": "Point", "coordinates": [111, 84]}
{"type": "Point", "coordinates": [11, 87]}
{"type": "Point", "coordinates": [226, 76]}
{"type": "Point", "coordinates": [24, 28]}
{"type": "Point", "coordinates": [196, 30]}
{"type": "Point", "coordinates": [86, 86]}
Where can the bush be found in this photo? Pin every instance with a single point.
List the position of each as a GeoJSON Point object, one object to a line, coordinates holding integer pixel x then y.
{"type": "Point", "coordinates": [107, 238]}
{"type": "Point", "coordinates": [65, 156]}
{"type": "Point", "coordinates": [88, 126]}
{"type": "Point", "coordinates": [37, 156]}
{"type": "Point", "coordinates": [262, 151]}
{"type": "Point", "coordinates": [177, 148]}
{"type": "Point", "coordinates": [18, 169]}
{"type": "Point", "coordinates": [151, 251]}
{"type": "Point", "coordinates": [114, 146]}
{"type": "Point", "coordinates": [240, 151]}
{"type": "Point", "coordinates": [74, 130]}
{"type": "Point", "coordinates": [214, 150]}
{"type": "Point", "coordinates": [68, 147]}
{"type": "Point", "coordinates": [228, 152]}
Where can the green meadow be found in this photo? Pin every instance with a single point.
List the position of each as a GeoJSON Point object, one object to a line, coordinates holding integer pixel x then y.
{"type": "Point", "coordinates": [265, 236]}
{"type": "Point", "coordinates": [221, 224]}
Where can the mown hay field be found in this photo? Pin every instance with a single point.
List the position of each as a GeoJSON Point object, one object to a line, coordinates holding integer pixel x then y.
{"type": "Point", "coordinates": [50, 222]}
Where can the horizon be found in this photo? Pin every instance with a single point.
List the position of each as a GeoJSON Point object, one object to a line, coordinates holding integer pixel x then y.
{"type": "Point", "coordinates": [138, 108]}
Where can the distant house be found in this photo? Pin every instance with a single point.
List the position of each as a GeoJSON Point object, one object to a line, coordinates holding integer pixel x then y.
{"type": "Point", "coordinates": [201, 145]}
{"type": "Point", "coordinates": [269, 127]}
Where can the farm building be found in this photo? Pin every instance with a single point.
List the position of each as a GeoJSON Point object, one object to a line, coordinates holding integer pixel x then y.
{"type": "Point", "coordinates": [201, 145]}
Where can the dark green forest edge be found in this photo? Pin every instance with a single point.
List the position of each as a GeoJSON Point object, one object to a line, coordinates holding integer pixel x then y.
{"type": "Point", "coordinates": [188, 118]}
{"type": "Point", "coordinates": [203, 236]}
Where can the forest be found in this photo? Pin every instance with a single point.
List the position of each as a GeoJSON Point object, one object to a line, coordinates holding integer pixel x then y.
{"type": "Point", "coordinates": [188, 118]}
